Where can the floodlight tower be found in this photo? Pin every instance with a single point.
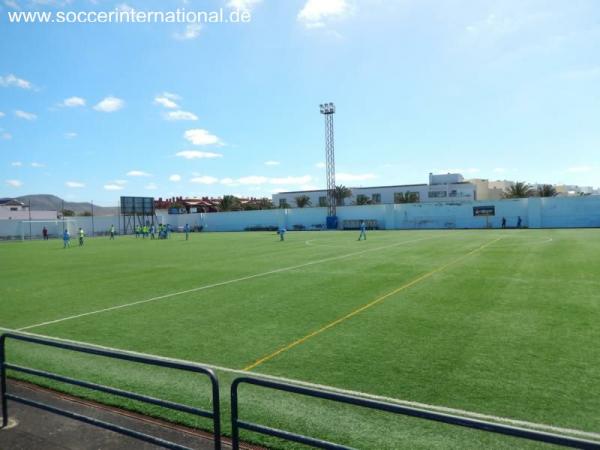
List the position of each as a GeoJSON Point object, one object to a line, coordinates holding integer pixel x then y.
{"type": "Point", "coordinates": [328, 110]}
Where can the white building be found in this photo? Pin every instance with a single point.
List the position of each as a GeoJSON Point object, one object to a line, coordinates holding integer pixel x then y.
{"type": "Point", "coordinates": [441, 188]}
{"type": "Point", "coordinates": [13, 209]}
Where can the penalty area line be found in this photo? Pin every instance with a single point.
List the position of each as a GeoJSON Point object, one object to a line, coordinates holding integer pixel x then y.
{"type": "Point", "coordinates": [322, 387]}
{"type": "Point", "coordinates": [222, 283]}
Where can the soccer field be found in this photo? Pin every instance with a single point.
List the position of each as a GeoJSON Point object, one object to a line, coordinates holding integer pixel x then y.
{"type": "Point", "coordinates": [502, 323]}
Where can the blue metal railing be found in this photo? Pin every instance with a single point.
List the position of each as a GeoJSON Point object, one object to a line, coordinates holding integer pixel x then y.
{"type": "Point", "coordinates": [237, 424]}
{"type": "Point", "coordinates": [214, 414]}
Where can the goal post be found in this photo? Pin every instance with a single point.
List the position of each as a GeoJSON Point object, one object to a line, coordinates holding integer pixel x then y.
{"type": "Point", "coordinates": [33, 229]}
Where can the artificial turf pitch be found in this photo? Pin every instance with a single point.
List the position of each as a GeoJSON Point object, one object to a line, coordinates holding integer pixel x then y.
{"type": "Point", "coordinates": [497, 322]}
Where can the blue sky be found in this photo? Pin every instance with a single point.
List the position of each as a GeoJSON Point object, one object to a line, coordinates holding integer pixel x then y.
{"type": "Point", "coordinates": [494, 89]}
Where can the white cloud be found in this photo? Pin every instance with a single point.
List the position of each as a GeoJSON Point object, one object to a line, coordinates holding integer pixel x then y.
{"type": "Point", "coordinates": [37, 165]}
{"type": "Point", "coordinates": [199, 136]}
{"type": "Point", "coordinates": [320, 165]}
{"type": "Point", "coordinates": [192, 31]}
{"type": "Point", "coordinates": [580, 169]}
{"type": "Point", "coordinates": [228, 182]}
{"type": "Point", "coordinates": [354, 176]}
{"type": "Point", "coordinates": [74, 184]}
{"type": "Point", "coordinates": [204, 180]}
{"type": "Point", "coordinates": [11, 80]}
{"type": "Point", "coordinates": [246, 5]}
{"type": "Point", "coordinates": [167, 100]}
{"type": "Point", "coordinates": [25, 115]}
{"type": "Point", "coordinates": [272, 163]}
{"type": "Point", "coordinates": [120, 182]}
{"type": "Point", "coordinates": [70, 135]}
{"type": "Point", "coordinates": [316, 12]}
{"type": "Point", "coordinates": [14, 183]}
{"type": "Point", "coordinates": [499, 170]}
{"type": "Point", "coordinates": [113, 187]}
{"type": "Point", "coordinates": [73, 102]}
{"type": "Point", "coordinates": [110, 104]}
{"type": "Point", "coordinates": [2, 114]}
{"type": "Point", "coordinates": [124, 7]}
{"type": "Point", "coordinates": [253, 180]}
{"type": "Point", "coordinates": [6, 135]}
{"type": "Point", "coordinates": [291, 180]}
{"type": "Point", "coordinates": [176, 178]}
{"type": "Point", "coordinates": [12, 4]}
{"type": "Point", "coordinates": [180, 115]}
{"type": "Point", "coordinates": [151, 187]}
{"type": "Point", "coordinates": [195, 154]}
{"type": "Point", "coordinates": [16, 164]}
{"type": "Point", "coordinates": [137, 173]}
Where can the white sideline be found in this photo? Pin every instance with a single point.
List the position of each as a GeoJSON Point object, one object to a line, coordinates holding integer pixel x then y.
{"type": "Point", "coordinates": [223, 283]}
{"type": "Point", "coordinates": [424, 406]}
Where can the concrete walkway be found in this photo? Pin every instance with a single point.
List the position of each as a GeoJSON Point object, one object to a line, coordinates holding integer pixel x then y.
{"type": "Point", "coordinates": [34, 429]}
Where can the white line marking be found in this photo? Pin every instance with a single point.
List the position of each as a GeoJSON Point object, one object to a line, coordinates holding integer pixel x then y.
{"type": "Point", "coordinates": [222, 283]}
{"type": "Point", "coordinates": [425, 406]}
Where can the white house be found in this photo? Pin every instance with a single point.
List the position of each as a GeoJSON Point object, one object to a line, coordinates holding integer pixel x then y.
{"type": "Point", "coordinates": [441, 188]}
{"type": "Point", "coordinates": [13, 209]}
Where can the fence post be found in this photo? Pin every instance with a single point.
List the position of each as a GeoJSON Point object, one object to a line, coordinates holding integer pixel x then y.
{"type": "Point", "coordinates": [3, 381]}
{"type": "Point", "coordinates": [235, 431]}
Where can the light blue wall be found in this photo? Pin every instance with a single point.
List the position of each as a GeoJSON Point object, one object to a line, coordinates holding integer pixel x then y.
{"type": "Point", "coordinates": [558, 212]}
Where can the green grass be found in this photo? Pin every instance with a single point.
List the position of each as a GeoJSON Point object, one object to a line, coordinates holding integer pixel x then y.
{"type": "Point", "coordinates": [504, 327]}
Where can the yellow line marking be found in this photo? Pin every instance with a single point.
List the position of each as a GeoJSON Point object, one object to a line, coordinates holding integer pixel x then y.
{"type": "Point", "coordinates": [365, 307]}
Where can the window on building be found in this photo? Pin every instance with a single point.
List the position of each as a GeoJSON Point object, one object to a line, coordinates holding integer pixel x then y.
{"type": "Point", "coordinates": [407, 197]}
{"type": "Point", "coordinates": [322, 202]}
{"type": "Point", "coordinates": [283, 202]}
{"type": "Point", "coordinates": [376, 198]}
{"type": "Point", "coordinates": [438, 194]}
{"type": "Point", "coordinates": [13, 208]}
{"type": "Point", "coordinates": [453, 193]}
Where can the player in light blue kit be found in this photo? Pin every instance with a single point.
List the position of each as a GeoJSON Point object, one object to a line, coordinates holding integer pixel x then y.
{"type": "Point", "coordinates": [186, 230]}
{"type": "Point", "coordinates": [66, 239]}
{"type": "Point", "coordinates": [363, 231]}
{"type": "Point", "coordinates": [281, 233]}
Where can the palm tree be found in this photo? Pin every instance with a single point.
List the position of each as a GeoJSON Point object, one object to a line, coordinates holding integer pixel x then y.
{"type": "Point", "coordinates": [519, 190]}
{"type": "Point", "coordinates": [303, 201]}
{"type": "Point", "coordinates": [229, 203]}
{"type": "Point", "coordinates": [546, 190]}
{"type": "Point", "coordinates": [362, 200]}
{"type": "Point", "coordinates": [265, 203]}
{"type": "Point", "coordinates": [341, 193]}
{"type": "Point", "coordinates": [406, 197]}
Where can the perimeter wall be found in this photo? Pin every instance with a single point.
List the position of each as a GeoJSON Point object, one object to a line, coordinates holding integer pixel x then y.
{"type": "Point", "coordinates": [556, 212]}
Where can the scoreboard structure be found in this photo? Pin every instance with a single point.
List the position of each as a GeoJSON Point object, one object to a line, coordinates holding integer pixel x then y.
{"type": "Point", "coordinates": [137, 211]}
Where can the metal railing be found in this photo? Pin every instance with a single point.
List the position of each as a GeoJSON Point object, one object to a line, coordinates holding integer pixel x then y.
{"type": "Point", "coordinates": [215, 414]}
{"type": "Point", "coordinates": [237, 424]}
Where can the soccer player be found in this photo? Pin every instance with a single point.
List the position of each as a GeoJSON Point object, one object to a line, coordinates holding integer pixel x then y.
{"type": "Point", "coordinates": [504, 222]}
{"type": "Point", "coordinates": [282, 231]}
{"type": "Point", "coordinates": [363, 231]}
{"type": "Point", "coordinates": [519, 221]}
{"type": "Point", "coordinates": [145, 231]}
{"type": "Point", "coordinates": [45, 233]}
{"type": "Point", "coordinates": [81, 235]}
{"type": "Point", "coordinates": [186, 230]}
{"type": "Point", "coordinates": [152, 231]}
{"type": "Point", "coordinates": [112, 232]}
{"type": "Point", "coordinates": [66, 239]}
{"type": "Point", "coordinates": [138, 230]}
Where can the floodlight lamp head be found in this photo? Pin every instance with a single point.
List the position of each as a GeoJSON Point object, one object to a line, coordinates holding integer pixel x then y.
{"type": "Point", "coordinates": [327, 108]}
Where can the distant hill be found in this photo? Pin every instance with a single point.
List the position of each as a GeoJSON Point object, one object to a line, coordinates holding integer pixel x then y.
{"type": "Point", "coordinates": [54, 203]}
